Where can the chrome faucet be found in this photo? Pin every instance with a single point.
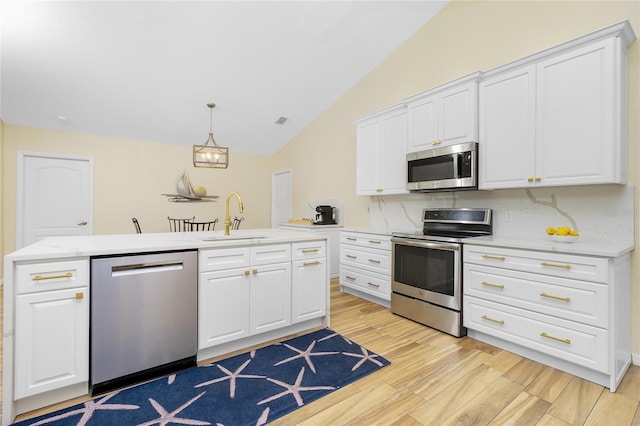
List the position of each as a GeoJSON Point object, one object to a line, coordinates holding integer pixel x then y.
{"type": "Point", "coordinates": [227, 217]}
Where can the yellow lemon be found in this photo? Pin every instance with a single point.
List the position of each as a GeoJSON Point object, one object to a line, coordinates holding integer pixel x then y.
{"type": "Point", "coordinates": [574, 233]}
{"type": "Point", "coordinates": [550, 230]}
{"type": "Point", "coordinates": [562, 231]}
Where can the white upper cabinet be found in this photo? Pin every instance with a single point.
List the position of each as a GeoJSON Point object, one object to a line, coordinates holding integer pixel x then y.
{"type": "Point", "coordinates": [381, 152]}
{"type": "Point", "coordinates": [444, 116]}
{"type": "Point", "coordinates": [557, 118]}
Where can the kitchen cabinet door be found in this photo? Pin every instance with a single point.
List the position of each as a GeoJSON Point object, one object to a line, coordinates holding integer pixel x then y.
{"type": "Point", "coordinates": [507, 129]}
{"type": "Point", "coordinates": [270, 297]}
{"type": "Point", "coordinates": [575, 128]}
{"type": "Point", "coordinates": [52, 340]}
{"type": "Point", "coordinates": [381, 153]}
{"type": "Point", "coordinates": [309, 292]}
{"type": "Point", "coordinates": [223, 306]}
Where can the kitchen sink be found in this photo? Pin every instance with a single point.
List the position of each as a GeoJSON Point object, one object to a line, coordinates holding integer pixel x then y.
{"type": "Point", "coordinates": [233, 237]}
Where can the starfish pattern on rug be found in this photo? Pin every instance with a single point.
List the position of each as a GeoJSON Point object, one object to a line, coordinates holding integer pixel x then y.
{"type": "Point", "coordinates": [232, 377]}
{"type": "Point", "coordinates": [90, 407]}
{"type": "Point", "coordinates": [293, 389]}
{"type": "Point", "coordinates": [171, 417]}
{"type": "Point", "coordinates": [306, 354]}
{"type": "Point", "coordinates": [365, 356]}
{"type": "Point", "coordinates": [331, 336]}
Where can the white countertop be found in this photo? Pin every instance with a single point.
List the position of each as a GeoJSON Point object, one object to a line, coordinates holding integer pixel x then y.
{"type": "Point", "coordinates": [300, 225]}
{"type": "Point", "coordinates": [582, 246]}
{"type": "Point", "coordinates": [96, 245]}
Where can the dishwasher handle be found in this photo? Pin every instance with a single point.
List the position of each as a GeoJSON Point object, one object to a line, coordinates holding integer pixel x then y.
{"type": "Point", "coordinates": [146, 268]}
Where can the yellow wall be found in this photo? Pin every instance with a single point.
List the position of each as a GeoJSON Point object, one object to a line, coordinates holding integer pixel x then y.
{"type": "Point", "coordinates": [129, 177]}
{"type": "Point", "coordinates": [466, 36]}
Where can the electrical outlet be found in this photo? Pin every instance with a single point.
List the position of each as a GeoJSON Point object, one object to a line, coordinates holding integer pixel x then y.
{"type": "Point", "coordinates": [508, 217]}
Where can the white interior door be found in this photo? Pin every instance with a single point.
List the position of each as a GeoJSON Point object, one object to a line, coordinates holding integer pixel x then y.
{"type": "Point", "coordinates": [280, 197]}
{"type": "Point", "coordinates": [55, 197]}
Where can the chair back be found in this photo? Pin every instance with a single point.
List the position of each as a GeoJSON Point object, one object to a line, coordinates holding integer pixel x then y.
{"type": "Point", "coordinates": [137, 225]}
{"type": "Point", "coordinates": [201, 226]}
{"type": "Point", "coordinates": [179, 225]}
{"type": "Point", "coordinates": [236, 222]}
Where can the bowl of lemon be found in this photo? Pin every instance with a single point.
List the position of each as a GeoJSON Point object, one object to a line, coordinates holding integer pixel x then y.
{"type": "Point", "coordinates": [562, 234]}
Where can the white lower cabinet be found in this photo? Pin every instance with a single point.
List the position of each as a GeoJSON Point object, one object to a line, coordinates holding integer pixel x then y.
{"type": "Point", "coordinates": [246, 300]}
{"type": "Point", "coordinates": [309, 289]}
{"type": "Point", "coordinates": [365, 265]}
{"type": "Point", "coordinates": [51, 326]}
{"type": "Point", "coordinates": [568, 311]}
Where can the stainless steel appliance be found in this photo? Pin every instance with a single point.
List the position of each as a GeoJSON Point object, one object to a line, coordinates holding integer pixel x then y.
{"type": "Point", "coordinates": [326, 215]}
{"type": "Point", "coordinates": [427, 267]}
{"type": "Point", "coordinates": [447, 168]}
{"type": "Point", "coordinates": [143, 317]}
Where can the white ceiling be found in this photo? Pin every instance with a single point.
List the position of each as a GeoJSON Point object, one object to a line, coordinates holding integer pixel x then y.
{"type": "Point", "coordinates": [146, 70]}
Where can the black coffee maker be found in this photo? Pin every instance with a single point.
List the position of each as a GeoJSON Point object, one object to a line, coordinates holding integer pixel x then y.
{"type": "Point", "coordinates": [325, 215]}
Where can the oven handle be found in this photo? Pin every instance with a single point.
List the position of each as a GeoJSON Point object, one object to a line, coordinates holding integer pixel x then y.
{"type": "Point", "coordinates": [426, 244]}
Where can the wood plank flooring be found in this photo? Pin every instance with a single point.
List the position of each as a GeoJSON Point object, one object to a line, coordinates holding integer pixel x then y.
{"type": "Point", "coordinates": [436, 379]}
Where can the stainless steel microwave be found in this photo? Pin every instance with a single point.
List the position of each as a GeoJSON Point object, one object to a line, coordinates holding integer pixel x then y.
{"type": "Point", "coordinates": [447, 168]}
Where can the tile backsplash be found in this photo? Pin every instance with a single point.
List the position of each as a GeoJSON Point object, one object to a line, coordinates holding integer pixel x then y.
{"type": "Point", "coordinates": [597, 211]}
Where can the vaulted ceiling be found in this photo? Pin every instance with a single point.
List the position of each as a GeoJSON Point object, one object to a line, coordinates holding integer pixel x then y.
{"type": "Point", "coordinates": [146, 70]}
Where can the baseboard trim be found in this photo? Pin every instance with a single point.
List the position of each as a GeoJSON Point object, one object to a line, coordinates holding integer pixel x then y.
{"type": "Point", "coordinates": [635, 359]}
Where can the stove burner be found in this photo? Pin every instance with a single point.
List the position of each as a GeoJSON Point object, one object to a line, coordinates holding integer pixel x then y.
{"type": "Point", "coordinates": [452, 225]}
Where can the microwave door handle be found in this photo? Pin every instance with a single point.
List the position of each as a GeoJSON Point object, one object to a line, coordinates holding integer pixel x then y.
{"type": "Point", "coordinates": [456, 165]}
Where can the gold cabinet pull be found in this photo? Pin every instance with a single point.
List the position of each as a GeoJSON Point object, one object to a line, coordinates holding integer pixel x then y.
{"type": "Point", "coordinates": [436, 142]}
{"type": "Point", "coordinates": [373, 284]}
{"type": "Point", "coordinates": [373, 261]}
{"type": "Point", "coordinates": [492, 285]}
{"type": "Point", "coordinates": [255, 271]}
{"type": "Point", "coordinates": [550, 296]}
{"type": "Point", "coordinates": [375, 242]}
{"type": "Point", "coordinates": [488, 256]}
{"type": "Point", "coordinates": [350, 256]}
{"type": "Point", "coordinates": [557, 339]}
{"type": "Point", "coordinates": [530, 179]}
{"type": "Point", "coordinates": [350, 278]}
{"type": "Point", "coordinates": [316, 262]}
{"type": "Point", "coordinates": [501, 322]}
{"type": "Point", "coordinates": [83, 223]}
{"type": "Point", "coordinates": [378, 189]}
{"type": "Point", "coordinates": [352, 239]}
{"type": "Point", "coordinates": [555, 265]}
{"type": "Point", "coordinates": [310, 250]}
{"type": "Point", "coordinates": [52, 277]}
{"type": "Point", "coordinates": [79, 296]}
{"type": "Point", "coordinates": [247, 273]}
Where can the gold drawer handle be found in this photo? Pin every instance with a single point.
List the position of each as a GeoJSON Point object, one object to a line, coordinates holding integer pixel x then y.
{"type": "Point", "coordinates": [488, 256]}
{"type": "Point", "coordinates": [351, 256]}
{"type": "Point", "coordinates": [375, 242]}
{"type": "Point", "coordinates": [310, 250]}
{"type": "Point", "coordinates": [557, 339]}
{"type": "Point", "coordinates": [247, 273]}
{"type": "Point", "coordinates": [374, 285]}
{"type": "Point", "coordinates": [79, 296]}
{"type": "Point", "coordinates": [550, 296]}
{"type": "Point", "coordinates": [255, 271]}
{"type": "Point", "coordinates": [352, 239]}
{"type": "Point", "coordinates": [530, 179]}
{"type": "Point", "coordinates": [350, 278]}
{"type": "Point", "coordinates": [484, 317]}
{"type": "Point", "coordinates": [317, 262]}
{"type": "Point", "coordinates": [492, 285]}
{"type": "Point", "coordinates": [378, 189]}
{"type": "Point", "coordinates": [373, 261]}
{"type": "Point", "coordinates": [51, 277]}
{"type": "Point", "coordinates": [555, 265]}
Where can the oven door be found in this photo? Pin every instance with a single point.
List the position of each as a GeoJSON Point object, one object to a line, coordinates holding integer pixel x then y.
{"type": "Point", "coordinates": [428, 270]}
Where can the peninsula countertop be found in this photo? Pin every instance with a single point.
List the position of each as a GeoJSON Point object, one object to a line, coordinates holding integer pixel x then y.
{"type": "Point", "coordinates": [97, 245]}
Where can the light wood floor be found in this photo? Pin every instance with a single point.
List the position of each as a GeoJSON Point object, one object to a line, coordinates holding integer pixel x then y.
{"type": "Point", "coordinates": [437, 379]}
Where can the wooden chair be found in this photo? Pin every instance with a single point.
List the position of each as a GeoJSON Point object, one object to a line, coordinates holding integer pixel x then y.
{"type": "Point", "coordinates": [236, 222]}
{"type": "Point", "coordinates": [179, 225]}
{"type": "Point", "coordinates": [137, 225]}
{"type": "Point", "coordinates": [201, 226]}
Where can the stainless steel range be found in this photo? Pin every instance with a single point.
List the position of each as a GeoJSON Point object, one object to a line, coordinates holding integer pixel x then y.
{"type": "Point", "coordinates": [427, 267]}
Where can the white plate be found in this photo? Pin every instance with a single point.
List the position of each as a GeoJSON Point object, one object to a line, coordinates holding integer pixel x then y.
{"type": "Point", "coordinates": [564, 239]}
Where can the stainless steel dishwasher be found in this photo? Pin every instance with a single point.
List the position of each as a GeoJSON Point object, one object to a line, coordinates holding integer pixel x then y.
{"type": "Point", "coordinates": [144, 320]}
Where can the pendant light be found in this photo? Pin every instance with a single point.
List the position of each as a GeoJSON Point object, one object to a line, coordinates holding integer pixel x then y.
{"type": "Point", "coordinates": [210, 155]}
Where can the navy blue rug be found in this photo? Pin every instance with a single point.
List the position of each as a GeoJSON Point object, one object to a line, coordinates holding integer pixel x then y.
{"type": "Point", "coordinates": [253, 388]}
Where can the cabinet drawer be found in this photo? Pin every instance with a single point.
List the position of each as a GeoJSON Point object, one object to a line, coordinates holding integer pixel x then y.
{"type": "Point", "coordinates": [560, 265]}
{"type": "Point", "coordinates": [263, 255]}
{"type": "Point", "coordinates": [220, 259]}
{"type": "Point", "coordinates": [376, 284]}
{"type": "Point", "coordinates": [581, 301]}
{"type": "Point", "coordinates": [371, 260]}
{"type": "Point", "coordinates": [570, 341]}
{"type": "Point", "coordinates": [46, 276]}
{"type": "Point", "coordinates": [382, 242]}
{"type": "Point", "coordinates": [308, 250]}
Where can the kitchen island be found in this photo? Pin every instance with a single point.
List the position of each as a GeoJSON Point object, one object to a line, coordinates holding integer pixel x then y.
{"type": "Point", "coordinates": [47, 293]}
